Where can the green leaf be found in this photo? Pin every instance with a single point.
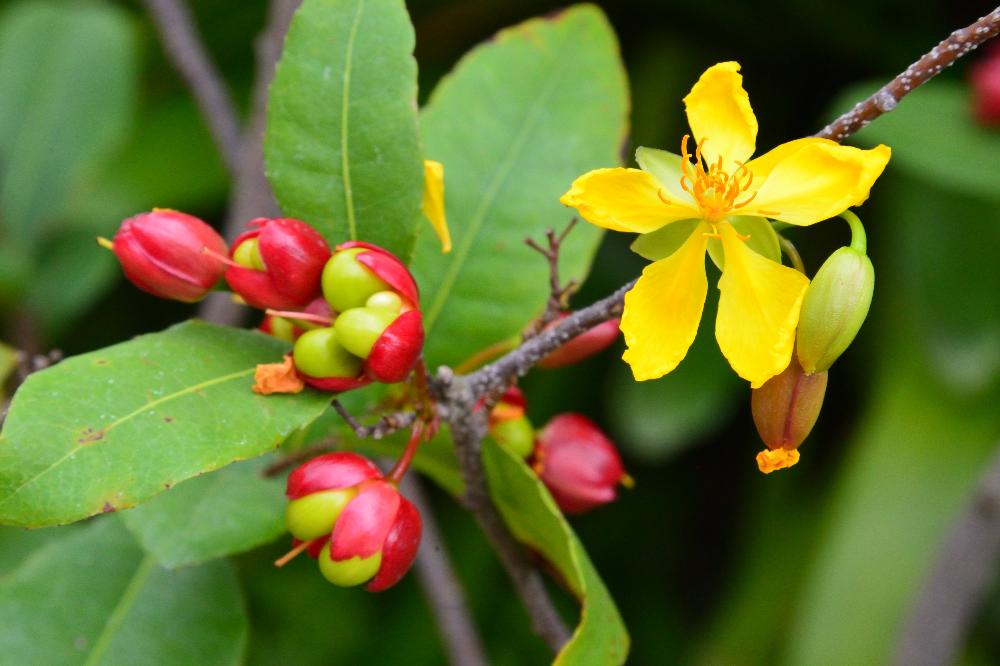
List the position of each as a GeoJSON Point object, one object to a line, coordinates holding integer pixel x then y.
{"type": "Point", "coordinates": [109, 429]}
{"type": "Point", "coordinates": [67, 72]}
{"type": "Point", "coordinates": [342, 148]}
{"type": "Point", "coordinates": [514, 124]}
{"type": "Point", "coordinates": [957, 154]}
{"type": "Point", "coordinates": [535, 520]}
{"type": "Point", "coordinates": [214, 515]}
{"type": "Point", "coordinates": [92, 598]}
{"type": "Point", "coordinates": [435, 459]}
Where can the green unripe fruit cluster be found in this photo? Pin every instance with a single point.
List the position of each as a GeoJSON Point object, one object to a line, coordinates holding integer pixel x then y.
{"type": "Point", "coordinates": [388, 300]}
{"type": "Point", "coordinates": [350, 572]}
{"type": "Point", "coordinates": [348, 284]}
{"type": "Point", "coordinates": [359, 328]}
{"type": "Point", "coordinates": [313, 516]}
{"type": "Point", "coordinates": [248, 255]}
{"type": "Point", "coordinates": [318, 353]}
{"type": "Point", "coordinates": [283, 329]}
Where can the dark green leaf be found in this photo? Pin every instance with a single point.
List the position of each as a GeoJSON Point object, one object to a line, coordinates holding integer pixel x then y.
{"type": "Point", "coordinates": [519, 118]}
{"type": "Point", "coordinates": [214, 515]}
{"type": "Point", "coordinates": [92, 598]}
{"type": "Point", "coordinates": [342, 148]}
{"type": "Point", "coordinates": [109, 429]}
{"type": "Point", "coordinates": [536, 521]}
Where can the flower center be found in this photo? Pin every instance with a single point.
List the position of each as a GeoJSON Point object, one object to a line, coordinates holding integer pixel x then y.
{"type": "Point", "coordinates": [714, 189]}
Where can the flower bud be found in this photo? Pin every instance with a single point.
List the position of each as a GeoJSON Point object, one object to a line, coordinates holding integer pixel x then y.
{"type": "Point", "coordinates": [323, 363]}
{"type": "Point", "coordinates": [583, 346]}
{"type": "Point", "coordinates": [834, 308]}
{"type": "Point", "coordinates": [785, 410]}
{"type": "Point", "coordinates": [396, 351]}
{"type": "Point", "coordinates": [161, 252]}
{"type": "Point", "coordinates": [984, 75]}
{"type": "Point", "coordinates": [357, 271]}
{"type": "Point", "coordinates": [359, 526]}
{"type": "Point", "coordinates": [280, 262]}
{"type": "Point", "coordinates": [509, 426]}
{"type": "Point", "coordinates": [578, 463]}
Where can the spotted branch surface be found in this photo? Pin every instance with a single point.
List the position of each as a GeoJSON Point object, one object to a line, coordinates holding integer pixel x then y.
{"type": "Point", "coordinates": [935, 61]}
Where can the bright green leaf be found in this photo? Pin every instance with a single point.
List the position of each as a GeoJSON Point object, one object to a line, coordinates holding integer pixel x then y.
{"type": "Point", "coordinates": [342, 148]}
{"type": "Point", "coordinates": [535, 520]}
{"type": "Point", "coordinates": [91, 598]}
{"type": "Point", "coordinates": [109, 429]}
{"type": "Point", "coordinates": [214, 515]}
{"type": "Point", "coordinates": [514, 124]}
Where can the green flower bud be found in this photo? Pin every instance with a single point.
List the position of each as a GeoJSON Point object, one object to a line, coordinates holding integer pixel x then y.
{"type": "Point", "coordinates": [313, 515]}
{"type": "Point", "coordinates": [359, 328]}
{"type": "Point", "coordinates": [834, 308]}
{"type": "Point", "coordinates": [318, 354]}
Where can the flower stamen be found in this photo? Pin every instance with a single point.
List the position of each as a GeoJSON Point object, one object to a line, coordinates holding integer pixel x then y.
{"type": "Point", "coordinates": [715, 190]}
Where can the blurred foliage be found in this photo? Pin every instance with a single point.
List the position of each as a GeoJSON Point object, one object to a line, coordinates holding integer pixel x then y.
{"type": "Point", "coordinates": [708, 561]}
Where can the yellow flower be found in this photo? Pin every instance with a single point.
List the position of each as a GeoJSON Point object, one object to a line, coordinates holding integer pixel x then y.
{"type": "Point", "coordinates": [433, 202]}
{"type": "Point", "coordinates": [720, 203]}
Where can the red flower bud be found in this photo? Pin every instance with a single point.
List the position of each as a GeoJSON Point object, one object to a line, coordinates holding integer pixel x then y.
{"type": "Point", "coordinates": [578, 463]}
{"type": "Point", "coordinates": [583, 346]}
{"type": "Point", "coordinates": [281, 261]}
{"type": "Point", "coordinates": [985, 78]}
{"type": "Point", "coordinates": [396, 351]}
{"type": "Point", "coordinates": [161, 253]}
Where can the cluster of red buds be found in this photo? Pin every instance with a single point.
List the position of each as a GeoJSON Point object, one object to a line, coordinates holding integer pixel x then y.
{"type": "Point", "coordinates": [353, 520]}
{"type": "Point", "coordinates": [353, 313]}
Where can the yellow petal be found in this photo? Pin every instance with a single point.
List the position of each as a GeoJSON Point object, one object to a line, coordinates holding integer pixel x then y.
{"type": "Point", "coordinates": [814, 182]}
{"type": "Point", "coordinates": [762, 166]}
{"type": "Point", "coordinates": [718, 111]}
{"type": "Point", "coordinates": [626, 200]}
{"type": "Point", "coordinates": [433, 202]}
{"type": "Point", "coordinates": [663, 309]}
{"type": "Point", "coordinates": [758, 310]}
{"type": "Point", "coordinates": [770, 460]}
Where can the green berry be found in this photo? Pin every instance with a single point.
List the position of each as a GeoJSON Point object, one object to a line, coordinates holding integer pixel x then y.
{"type": "Point", "coordinates": [348, 284]}
{"type": "Point", "coordinates": [312, 516]}
{"type": "Point", "coordinates": [388, 300]}
{"type": "Point", "coordinates": [283, 329]}
{"type": "Point", "coordinates": [359, 328]}
{"type": "Point", "coordinates": [347, 573]}
{"type": "Point", "coordinates": [318, 354]}
{"type": "Point", "coordinates": [248, 254]}
{"type": "Point", "coordinates": [515, 434]}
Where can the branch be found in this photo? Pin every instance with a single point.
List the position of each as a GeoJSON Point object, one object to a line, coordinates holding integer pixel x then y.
{"type": "Point", "coordinates": [930, 65]}
{"type": "Point", "coordinates": [958, 581]}
{"type": "Point", "coordinates": [386, 425]}
{"type": "Point", "coordinates": [186, 51]}
{"type": "Point", "coordinates": [441, 587]}
{"type": "Point", "coordinates": [558, 292]}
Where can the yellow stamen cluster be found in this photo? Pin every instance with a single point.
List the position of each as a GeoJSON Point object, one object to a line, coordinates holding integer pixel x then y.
{"type": "Point", "coordinates": [714, 189]}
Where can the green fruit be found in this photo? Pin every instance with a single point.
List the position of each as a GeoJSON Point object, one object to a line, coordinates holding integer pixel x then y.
{"type": "Point", "coordinates": [347, 573]}
{"type": "Point", "coordinates": [282, 329]}
{"type": "Point", "coordinates": [388, 300]}
{"type": "Point", "coordinates": [312, 516]}
{"type": "Point", "coordinates": [346, 283]}
{"type": "Point", "coordinates": [515, 434]}
{"type": "Point", "coordinates": [247, 254]}
{"type": "Point", "coordinates": [318, 354]}
{"type": "Point", "coordinates": [359, 328]}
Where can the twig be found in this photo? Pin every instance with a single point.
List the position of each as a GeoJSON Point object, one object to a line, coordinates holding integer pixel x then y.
{"type": "Point", "coordinates": [441, 586]}
{"type": "Point", "coordinates": [558, 292]}
{"type": "Point", "coordinates": [386, 425]}
{"type": "Point", "coordinates": [958, 581]}
{"type": "Point", "coordinates": [930, 65]}
{"type": "Point", "coordinates": [186, 51]}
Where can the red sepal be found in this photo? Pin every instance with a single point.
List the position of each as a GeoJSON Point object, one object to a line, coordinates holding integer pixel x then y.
{"type": "Point", "coordinates": [400, 548]}
{"type": "Point", "coordinates": [578, 463]}
{"type": "Point", "coordinates": [330, 471]}
{"type": "Point", "coordinates": [335, 384]}
{"type": "Point", "coordinates": [388, 268]}
{"type": "Point", "coordinates": [395, 353]}
{"type": "Point", "coordinates": [365, 522]}
{"type": "Point", "coordinates": [583, 346]}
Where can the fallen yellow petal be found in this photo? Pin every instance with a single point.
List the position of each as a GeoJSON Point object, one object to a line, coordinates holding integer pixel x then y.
{"type": "Point", "coordinates": [771, 460]}
{"type": "Point", "coordinates": [433, 202]}
{"type": "Point", "coordinates": [277, 378]}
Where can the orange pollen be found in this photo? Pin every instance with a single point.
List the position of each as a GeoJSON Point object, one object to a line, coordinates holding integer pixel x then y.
{"type": "Point", "coordinates": [713, 188]}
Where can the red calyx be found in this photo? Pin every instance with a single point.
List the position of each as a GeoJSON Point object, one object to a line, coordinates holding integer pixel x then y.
{"type": "Point", "coordinates": [363, 526]}
{"type": "Point", "coordinates": [583, 346]}
{"type": "Point", "coordinates": [388, 268]}
{"type": "Point", "coordinates": [161, 253]}
{"type": "Point", "coordinates": [335, 384]}
{"type": "Point", "coordinates": [330, 471]}
{"type": "Point", "coordinates": [578, 463]}
{"type": "Point", "coordinates": [984, 76]}
{"type": "Point", "coordinates": [400, 547]}
{"type": "Point", "coordinates": [395, 353]}
{"type": "Point", "coordinates": [294, 254]}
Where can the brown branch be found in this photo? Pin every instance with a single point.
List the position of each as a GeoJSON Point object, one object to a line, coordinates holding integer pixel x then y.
{"type": "Point", "coordinates": [186, 51]}
{"type": "Point", "coordinates": [930, 65]}
{"type": "Point", "coordinates": [958, 581]}
{"type": "Point", "coordinates": [558, 292]}
{"type": "Point", "coordinates": [441, 586]}
{"type": "Point", "coordinates": [385, 426]}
